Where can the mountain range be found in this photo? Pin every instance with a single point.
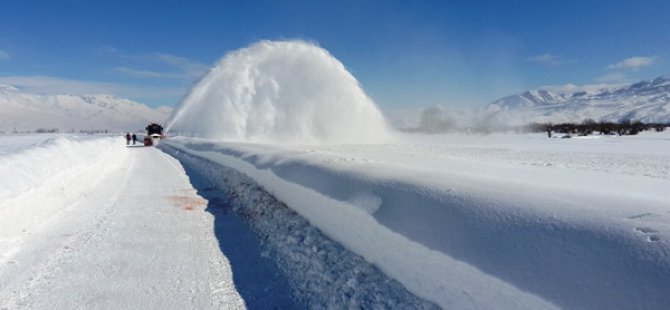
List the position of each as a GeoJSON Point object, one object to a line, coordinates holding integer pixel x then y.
{"type": "Point", "coordinates": [20, 111]}
{"type": "Point", "coordinates": [647, 101]}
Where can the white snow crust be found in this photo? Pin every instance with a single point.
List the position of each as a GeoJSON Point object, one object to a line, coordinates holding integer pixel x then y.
{"type": "Point", "coordinates": [471, 222]}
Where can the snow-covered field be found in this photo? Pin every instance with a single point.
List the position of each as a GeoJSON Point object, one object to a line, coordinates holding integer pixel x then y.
{"type": "Point", "coordinates": [499, 221]}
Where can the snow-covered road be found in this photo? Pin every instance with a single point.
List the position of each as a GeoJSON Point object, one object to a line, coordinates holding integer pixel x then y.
{"type": "Point", "coordinates": [138, 239]}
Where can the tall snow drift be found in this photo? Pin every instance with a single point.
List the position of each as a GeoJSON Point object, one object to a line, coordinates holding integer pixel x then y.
{"type": "Point", "coordinates": [279, 92]}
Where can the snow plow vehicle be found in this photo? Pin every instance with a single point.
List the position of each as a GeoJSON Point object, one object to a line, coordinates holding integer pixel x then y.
{"type": "Point", "coordinates": [154, 134]}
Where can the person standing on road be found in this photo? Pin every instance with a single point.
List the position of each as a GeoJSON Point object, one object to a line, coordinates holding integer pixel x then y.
{"type": "Point", "coordinates": [134, 139]}
{"type": "Point", "coordinates": [127, 138]}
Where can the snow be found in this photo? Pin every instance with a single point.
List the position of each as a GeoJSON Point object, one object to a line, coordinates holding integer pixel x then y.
{"type": "Point", "coordinates": [16, 142]}
{"type": "Point", "coordinates": [284, 91]}
{"type": "Point", "coordinates": [40, 165]}
{"type": "Point", "coordinates": [86, 222]}
{"type": "Point", "coordinates": [520, 221]}
{"type": "Point", "coordinates": [286, 189]}
{"type": "Point", "coordinates": [320, 272]}
{"type": "Point", "coordinates": [467, 222]}
{"type": "Point", "coordinates": [90, 223]}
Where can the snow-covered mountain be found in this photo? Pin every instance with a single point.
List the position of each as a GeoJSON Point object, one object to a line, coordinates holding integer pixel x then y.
{"type": "Point", "coordinates": [648, 101]}
{"type": "Point", "coordinates": [22, 111]}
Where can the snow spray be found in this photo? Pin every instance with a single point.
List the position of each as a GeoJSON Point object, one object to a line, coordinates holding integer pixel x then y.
{"type": "Point", "coordinates": [280, 92]}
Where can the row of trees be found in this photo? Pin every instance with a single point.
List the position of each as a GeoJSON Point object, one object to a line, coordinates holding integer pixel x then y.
{"type": "Point", "coordinates": [589, 126]}
{"type": "Point", "coordinates": [46, 130]}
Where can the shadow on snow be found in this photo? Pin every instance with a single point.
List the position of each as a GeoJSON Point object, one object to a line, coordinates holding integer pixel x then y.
{"type": "Point", "coordinates": [256, 278]}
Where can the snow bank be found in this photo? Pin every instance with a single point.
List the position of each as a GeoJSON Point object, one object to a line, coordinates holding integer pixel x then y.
{"type": "Point", "coordinates": [470, 233]}
{"type": "Point", "coordinates": [57, 161]}
{"type": "Point", "coordinates": [15, 143]}
{"type": "Point", "coordinates": [39, 182]}
{"type": "Point", "coordinates": [282, 92]}
{"type": "Point", "coordinates": [320, 273]}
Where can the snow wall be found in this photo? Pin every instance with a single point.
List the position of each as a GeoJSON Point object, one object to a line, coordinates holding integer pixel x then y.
{"type": "Point", "coordinates": [320, 273]}
{"type": "Point", "coordinates": [279, 92]}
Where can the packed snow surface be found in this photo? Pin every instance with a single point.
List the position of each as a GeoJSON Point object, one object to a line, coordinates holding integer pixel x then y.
{"type": "Point", "coordinates": [285, 91]}
{"type": "Point", "coordinates": [483, 222]}
{"type": "Point", "coordinates": [86, 222]}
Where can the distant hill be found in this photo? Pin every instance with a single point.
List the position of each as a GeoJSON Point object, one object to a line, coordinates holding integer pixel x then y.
{"type": "Point", "coordinates": [29, 112]}
{"type": "Point", "coordinates": [647, 101]}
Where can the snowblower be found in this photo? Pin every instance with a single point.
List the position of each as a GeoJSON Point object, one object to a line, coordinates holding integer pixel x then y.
{"type": "Point", "coordinates": [154, 134]}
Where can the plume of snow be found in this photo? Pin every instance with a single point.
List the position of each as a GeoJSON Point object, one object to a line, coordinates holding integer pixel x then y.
{"type": "Point", "coordinates": [280, 92]}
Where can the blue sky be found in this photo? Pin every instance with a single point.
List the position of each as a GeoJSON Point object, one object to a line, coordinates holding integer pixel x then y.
{"type": "Point", "coordinates": [404, 53]}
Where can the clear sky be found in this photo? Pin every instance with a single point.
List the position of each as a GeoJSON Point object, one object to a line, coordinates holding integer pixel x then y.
{"type": "Point", "coordinates": [404, 53]}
